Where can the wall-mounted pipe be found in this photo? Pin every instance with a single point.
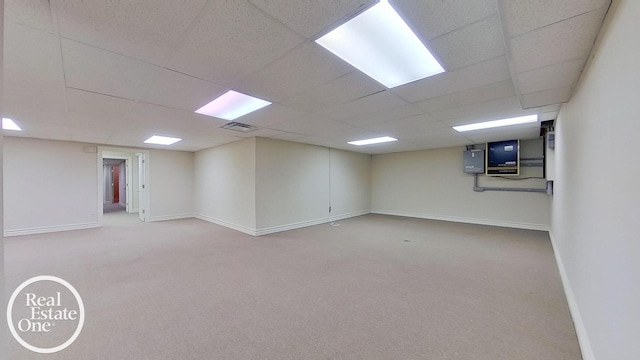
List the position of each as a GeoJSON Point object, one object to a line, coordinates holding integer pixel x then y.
{"type": "Point", "coordinates": [482, 188]}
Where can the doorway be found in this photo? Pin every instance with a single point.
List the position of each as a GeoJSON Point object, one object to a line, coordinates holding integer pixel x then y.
{"type": "Point", "coordinates": [122, 182]}
{"type": "Point", "coordinates": [116, 192]}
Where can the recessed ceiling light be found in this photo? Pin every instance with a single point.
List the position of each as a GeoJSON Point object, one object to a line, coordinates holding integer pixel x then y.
{"type": "Point", "coordinates": [380, 44]}
{"type": "Point", "coordinates": [8, 124]}
{"type": "Point", "coordinates": [232, 105]}
{"type": "Point", "coordinates": [373, 141]}
{"type": "Point", "coordinates": [161, 140]}
{"type": "Point", "coordinates": [497, 123]}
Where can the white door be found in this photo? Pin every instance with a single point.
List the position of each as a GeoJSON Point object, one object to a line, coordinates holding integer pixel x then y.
{"type": "Point", "coordinates": [127, 177]}
{"type": "Point", "coordinates": [142, 186]}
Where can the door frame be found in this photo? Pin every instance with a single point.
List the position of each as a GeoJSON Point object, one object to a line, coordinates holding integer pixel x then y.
{"type": "Point", "coordinates": [128, 155]}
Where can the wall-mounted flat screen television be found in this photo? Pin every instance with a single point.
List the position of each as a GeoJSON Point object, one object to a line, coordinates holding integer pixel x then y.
{"type": "Point", "coordinates": [503, 158]}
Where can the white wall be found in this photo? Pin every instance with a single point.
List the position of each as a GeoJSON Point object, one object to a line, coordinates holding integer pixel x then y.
{"type": "Point", "coordinates": [292, 185]}
{"type": "Point", "coordinates": [3, 332]}
{"type": "Point", "coordinates": [225, 183]}
{"type": "Point", "coordinates": [55, 185]}
{"type": "Point", "coordinates": [431, 184]}
{"type": "Point", "coordinates": [595, 208]}
{"type": "Point", "coordinates": [48, 186]}
{"type": "Point", "coordinates": [260, 186]}
{"type": "Point", "coordinates": [350, 183]}
{"type": "Point", "coordinates": [170, 184]}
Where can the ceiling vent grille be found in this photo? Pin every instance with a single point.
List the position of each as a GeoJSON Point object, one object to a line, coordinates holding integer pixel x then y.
{"type": "Point", "coordinates": [236, 126]}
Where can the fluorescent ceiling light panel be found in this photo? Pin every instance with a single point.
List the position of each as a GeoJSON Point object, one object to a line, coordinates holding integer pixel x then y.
{"type": "Point", "coordinates": [373, 141]}
{"type": "Point", "coordinates": [8, 124]}
{"type": "Point", "coordinates": [380, 44]}
{"type": "Point", "coordinates": [497, 123]}
{"type": "Point", "coordinates": [161, 140]}
{"type": "Point", "coordinates": [232, 105]}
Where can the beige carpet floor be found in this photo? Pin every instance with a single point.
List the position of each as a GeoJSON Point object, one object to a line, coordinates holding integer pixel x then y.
{"type": "Point", "coordinates": [376, 287]}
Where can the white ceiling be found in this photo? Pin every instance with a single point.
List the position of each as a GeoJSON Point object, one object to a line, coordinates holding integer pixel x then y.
{"type": "Point", "coordinates": [117, 72]}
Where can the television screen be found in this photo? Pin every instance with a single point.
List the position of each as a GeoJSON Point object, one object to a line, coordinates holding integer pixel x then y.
{"type": "Point", "coordinates": [503, 158]}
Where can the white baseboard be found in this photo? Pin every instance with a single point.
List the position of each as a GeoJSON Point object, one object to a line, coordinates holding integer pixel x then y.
{"type": "Point", "coordinates": [349, 215]}
{"type": "Point", "coordinates": [292, 226]}
{"type": "Point", "coordinates": [227, 224]}
{"type": "Point", "coordinates": [50, 229]}
{"type": "Point", "coordinates": [298, 225]}
{"type": "Point", "coordinates": [581, 331]}
{"type": "Point", "coordinates": [509, 224]}
{"type": "Point", "coordinates": [170, 217]}
{"type": "Point", "coordinates": [279, 228]}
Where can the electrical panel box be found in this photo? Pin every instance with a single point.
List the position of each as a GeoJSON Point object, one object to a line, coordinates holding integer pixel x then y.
{"type": "Point", "coordinates": [473, 161]}
{"type": "Point", "coordinates": [551, 140]}
{"type": "Point", "coordinates": [550, 157]}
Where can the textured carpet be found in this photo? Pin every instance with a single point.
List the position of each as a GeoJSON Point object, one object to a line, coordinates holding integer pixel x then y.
{"type": "Point", "coordinates": [108, 207]}
{"type": "Point", "coordinates": [376, 287]}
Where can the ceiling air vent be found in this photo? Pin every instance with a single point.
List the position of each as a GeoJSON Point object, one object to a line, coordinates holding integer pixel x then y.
{"type": "Point", "coordinates": [236, 126]}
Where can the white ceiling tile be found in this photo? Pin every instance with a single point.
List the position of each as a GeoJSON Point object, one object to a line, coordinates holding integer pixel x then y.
{"type": "Point", "coordinates": [431, 19]}
{"type": "Point", "coordinates": [88, 134]}
{"type": "Point", "coordinates": [310, 125]}
{"type": "Point", "coordinates": [116, 95]}
{"type": "Point", "coordinates": [130, 137]}
{"type": "Point", "coordinates": [366, 105]}
{"type": "Point", "coordinates": [471, 44]}
{"type": "Point", "coordinates": [48, 131]}
{"type": "Point", "coordinates": [558, 43]}
{"type": "Point", "coordinates": [272, 114]}
{"type": "Point", "coordinates": [524, 16]}
{"type": "Point", "coordinates": [391, 114]}
{"type": "Point", "coordinates": [551, 108]}
{"type": "Point", "coordinates": [145, 30]}
{"type": "Point", "coordinates": [483, 136]}
{"type": "Point", "coordinates": [196, 145]}
{"type": "Point", "coordinates": [144, 115]}
{"type": "Point", "coordinates": [232, 39]}
{"type": "Point", "coordinates": [305, 67]}
{"type": "Point", "coordinates": [288, 136]}
{"type": "Point", "coordinates": [389, 147]}
{"type": "Point", "coordinates": [267, 133]}
{"type": "Point", "coordinates": [422, 122]}
{"type": "Point", "coordinates": [441, 141]}
{"type": "Point", "coordinates": [473, 76]}
{"type": "Point", "coordinates": [353, 134]}
{"type": "Point", "coordinates": [180, 91]}
{"type": "Point", "coordinates": [547, 97]}
{"type": "Point", "coordinates": [81, 101]}
{"type": "Point", "coordinates": [32, 13]}
{"type": "Point", "coordinates": [430, 134]}
{"type": "Point", "coordinates": [419, 132]}
{"type": "Point", "coordinates": [98, 122]}
{"type": "Point", "coordinates": [345, 88]}
{"type": "Point", "coordinates": [29, 118]}
{"type": "Point", "coordinates": [546, 116]}
{"type": "Point", "coordinates": [467, 97]}
{"type": "Point", "coordinates": [308, 18]}
{"type": "Point", "coordinates": [484, 111]}
{"type": "Point", "coordinates": [191, 141]}
{"type": "Point", "coordinates": [92, 69]}
{"type": "Point", "coordinates": [33, 72]}
{"type": "Point", "coordinates": [550, 77]}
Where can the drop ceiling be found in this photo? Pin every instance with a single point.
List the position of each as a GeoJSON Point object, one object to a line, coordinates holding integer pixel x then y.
{"type": "Point", "coordinates": [115, 73]}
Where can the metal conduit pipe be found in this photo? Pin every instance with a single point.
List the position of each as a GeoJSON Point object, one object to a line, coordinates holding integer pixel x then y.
{"type": "Point", "coordinates": [480, 188]}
